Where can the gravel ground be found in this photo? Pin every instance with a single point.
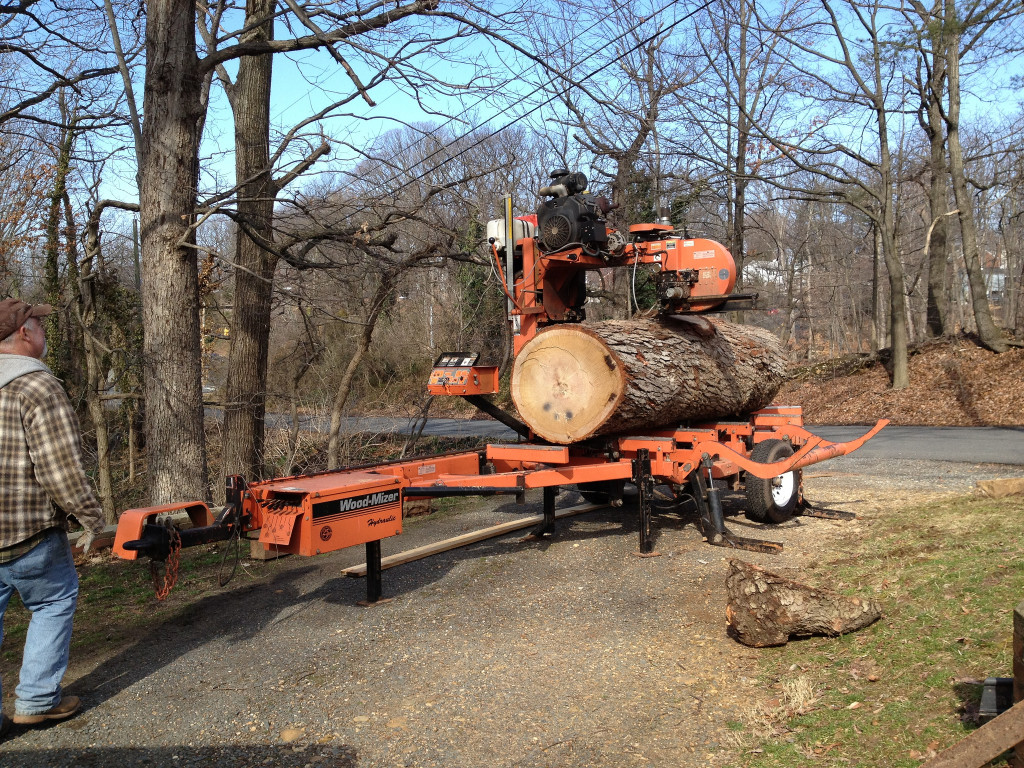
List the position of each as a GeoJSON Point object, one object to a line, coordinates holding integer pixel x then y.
{"type": "Point", "coordinates": [566, 652]}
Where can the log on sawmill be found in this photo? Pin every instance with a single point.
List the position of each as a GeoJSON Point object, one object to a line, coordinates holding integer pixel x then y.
{"type": "Point", "coordinates": [574, 381]}
{"type": "Point", "coordinates": [766, 609]}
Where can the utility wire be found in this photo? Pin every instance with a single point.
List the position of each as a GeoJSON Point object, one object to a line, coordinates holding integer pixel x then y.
{"type": "Point", "coordinates": [514, 76]}
{"type": "Point", "coordinates": [547, 101]}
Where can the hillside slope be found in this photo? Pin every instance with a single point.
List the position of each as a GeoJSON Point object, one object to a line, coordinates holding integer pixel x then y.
{"type": "Point", "coordinates": [953, 382]}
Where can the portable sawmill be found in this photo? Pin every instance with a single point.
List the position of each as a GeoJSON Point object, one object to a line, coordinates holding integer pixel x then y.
{"type": "Point", "coordinates": [679, 399]}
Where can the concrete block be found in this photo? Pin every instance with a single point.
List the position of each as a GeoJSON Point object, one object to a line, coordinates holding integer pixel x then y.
{"type": "Point", "coordinates": [258, 552]}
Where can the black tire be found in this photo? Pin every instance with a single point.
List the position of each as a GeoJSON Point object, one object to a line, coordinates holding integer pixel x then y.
{"type": "Point", "coordinates": [773, 500]}
{"type": "Point", "coordinates": [602, 492]}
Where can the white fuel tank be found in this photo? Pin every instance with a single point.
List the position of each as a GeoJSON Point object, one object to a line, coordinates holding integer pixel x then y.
{"type": "Point", "coordinates": [520, 229]}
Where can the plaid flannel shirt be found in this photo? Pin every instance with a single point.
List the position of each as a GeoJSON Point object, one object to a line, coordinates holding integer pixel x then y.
{"type": "Point", "coordinates": [40, 462]}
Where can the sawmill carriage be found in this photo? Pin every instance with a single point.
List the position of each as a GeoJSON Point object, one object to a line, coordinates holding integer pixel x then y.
{"type": "Point", "coordinates": [680, 400]}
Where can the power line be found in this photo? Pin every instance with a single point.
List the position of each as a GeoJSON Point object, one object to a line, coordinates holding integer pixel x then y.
{"type": "Point", "coordinates": [547, 101]}
{"type": "Point", "coordinates": [515, 76]}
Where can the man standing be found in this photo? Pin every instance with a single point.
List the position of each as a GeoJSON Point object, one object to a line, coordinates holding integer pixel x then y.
{"type": "Point", "coordinates": [41, 483]}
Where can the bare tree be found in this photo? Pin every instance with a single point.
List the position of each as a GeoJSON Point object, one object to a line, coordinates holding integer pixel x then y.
{"type": "Point", "coordinates": [741, 84]}
{"type": "Point", "coordinates": [47, 46]}
{"type": "Point", "coordinates": [618, 122]}
{"type": "Point", "coordinates": [169, 180]}
{"type": "Point", "coordinates": [847, 65]}
{"type": "Point", "coordinates": [963, 29]}
{"type": "Point", "coordinates": [930, 84]}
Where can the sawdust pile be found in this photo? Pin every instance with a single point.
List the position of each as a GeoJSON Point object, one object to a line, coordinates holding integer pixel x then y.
{"type": "Point", "coordinates": [953, 383]}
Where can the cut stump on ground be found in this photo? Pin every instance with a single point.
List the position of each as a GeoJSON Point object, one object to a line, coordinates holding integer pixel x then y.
{"type": "Point", "coordinates": [765, 609]}
{"type": "Point", "coordinates": [571, 382]}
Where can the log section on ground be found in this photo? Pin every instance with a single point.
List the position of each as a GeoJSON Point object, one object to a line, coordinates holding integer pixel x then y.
{"type": "Point", "coordinates": [766, 609]}
{"type": "Point", "coordinates": [573, 381]}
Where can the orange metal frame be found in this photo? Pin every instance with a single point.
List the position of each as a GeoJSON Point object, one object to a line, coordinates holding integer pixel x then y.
{"type": "Point", "coordinates": [315, 514]}
{"type": "Point", "coordinates": [674, 454]}
{"type": "Point", "coordinates": [551, 283]}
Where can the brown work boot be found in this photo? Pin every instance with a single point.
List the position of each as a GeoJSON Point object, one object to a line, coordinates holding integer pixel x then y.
{"type": "Point", "coordinates": [66, 708]}
{"type": "Point", "coordinates": [5, 725]}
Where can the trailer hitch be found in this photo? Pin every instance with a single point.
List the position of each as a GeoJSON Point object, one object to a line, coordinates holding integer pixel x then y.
{"type": "Point", "coordinates": [160, 538]}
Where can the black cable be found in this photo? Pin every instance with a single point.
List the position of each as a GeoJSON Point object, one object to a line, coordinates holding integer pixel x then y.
{"type": "Point", "coordinates": [236, 525]}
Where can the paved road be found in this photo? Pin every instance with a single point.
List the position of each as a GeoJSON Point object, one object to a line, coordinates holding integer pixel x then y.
{"type": "Point", "coordinates": [977, 445]}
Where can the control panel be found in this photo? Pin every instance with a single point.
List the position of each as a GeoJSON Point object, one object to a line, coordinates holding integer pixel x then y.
{"type": "Point", "coordinates": [456, 373]}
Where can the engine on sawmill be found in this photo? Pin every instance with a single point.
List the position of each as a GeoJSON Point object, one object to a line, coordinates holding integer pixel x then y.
{"type": "Point", "coordinates": [571, 216]}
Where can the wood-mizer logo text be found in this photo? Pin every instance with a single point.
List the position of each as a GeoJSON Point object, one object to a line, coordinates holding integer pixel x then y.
{"type": "Point", "coordinates": [378, 499]}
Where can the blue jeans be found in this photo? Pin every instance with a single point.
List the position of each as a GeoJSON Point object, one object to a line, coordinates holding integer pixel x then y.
{"type": "Point", "coordinates": [46, 579]}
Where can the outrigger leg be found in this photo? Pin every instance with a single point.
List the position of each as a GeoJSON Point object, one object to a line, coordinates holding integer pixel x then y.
{"type": "Point", "coordinates": [808, 509]}
{"type": "Point", "coordinates": [547, 525]}
{"type": "Point", "coordinates": [644, 481]}
{"type": "Point", "coordinates": [374, 580]}
{"type": "Point", "coordinates": [712, 519]}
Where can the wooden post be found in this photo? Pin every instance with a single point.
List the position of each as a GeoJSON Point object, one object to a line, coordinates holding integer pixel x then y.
{"type": "Point", "coordinates": [1018, 674]}
{"type": "Point", "coordinates": [1018, 652]}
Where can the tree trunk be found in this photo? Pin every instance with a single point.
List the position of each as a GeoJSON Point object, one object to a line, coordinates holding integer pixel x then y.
{"type": "Point", "coordinates": [246, 385]}
{"type": "Point", "coordinates": [740, 178]}
{"type": "Point", "coordinates": [898, 333]}
{"type": "Point", "coordinates": [938, 197]}
{"type": "Point", "coordinates": [169, 174]}
{"type": "Point", "coordinates": [877, 339]}
{"type": "Point", "coordinates": [90, 286]}
{"type": "Point", "coordinates": [59, 356]}
{"type": "Point", "coordinates": [387, 283]}
{"type": "Point", "coordinates": [890, 252]}
{"type": "Point", "coordinates": [571, 382]}
{"type": "Point", "coordinates": [765, 609]}
{"type": "Point", "coordinates": [988, 333]}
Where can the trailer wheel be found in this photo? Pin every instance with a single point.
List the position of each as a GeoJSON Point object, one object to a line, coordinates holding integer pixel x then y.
{"type": "Point", "coordinates": [602, 492]}
{"type": "Point", "coordinates": [772, 500]}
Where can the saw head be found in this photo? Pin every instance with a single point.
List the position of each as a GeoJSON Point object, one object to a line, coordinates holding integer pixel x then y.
{"type": "Point", "coordinates": [695, 274]}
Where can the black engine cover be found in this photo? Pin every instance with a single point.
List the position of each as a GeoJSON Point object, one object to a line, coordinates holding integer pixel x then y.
{"type": "Point", "coordinates": [573, 220]}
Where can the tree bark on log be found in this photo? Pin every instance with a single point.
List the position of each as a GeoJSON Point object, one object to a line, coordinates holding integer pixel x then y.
{"type": "Point", "coordinates": [571, 382]}
{"type": "Point", "coordinates": [765, 609]}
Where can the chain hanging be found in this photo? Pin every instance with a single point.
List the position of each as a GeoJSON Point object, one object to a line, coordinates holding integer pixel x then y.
{"type": "Point", "coordinates": [163, 584]}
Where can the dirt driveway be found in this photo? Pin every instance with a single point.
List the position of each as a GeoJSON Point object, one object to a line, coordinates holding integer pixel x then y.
{"type": "Point", "coordinates": [569, 652]}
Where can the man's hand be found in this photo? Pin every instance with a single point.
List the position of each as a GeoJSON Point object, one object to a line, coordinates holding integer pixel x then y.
{"type": "Point", "coordinates": [85, 541]}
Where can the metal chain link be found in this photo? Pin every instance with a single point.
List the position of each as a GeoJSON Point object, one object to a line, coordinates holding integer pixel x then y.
{"type": "Point", "coordinates": [163, 585]}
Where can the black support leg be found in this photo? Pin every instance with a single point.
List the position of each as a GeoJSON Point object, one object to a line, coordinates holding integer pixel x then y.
{"type": "Point", "coordinates": [712, 519]}
{"type": "Point", "coordinates": [373, 572]}
{"type": "Point", "coordinates": [714, 499]}
{"type": "Point", "coordinates": [699, 489]}
{"type": "Point", "coordinates": [547, 526]}
{"type": "Point", "coordinates": [644, 482]}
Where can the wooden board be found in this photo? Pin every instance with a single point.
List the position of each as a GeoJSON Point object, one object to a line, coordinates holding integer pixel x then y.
{"type": "Point", "coordinates": [465, 539]}
{"type": "Point", "coordinates": [986, 743]}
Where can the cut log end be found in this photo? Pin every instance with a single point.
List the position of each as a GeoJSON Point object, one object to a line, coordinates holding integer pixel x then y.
{"type": "Point", "coordinates": [765, 609]}
{"type": "Point", "coordinates": [569, 383]}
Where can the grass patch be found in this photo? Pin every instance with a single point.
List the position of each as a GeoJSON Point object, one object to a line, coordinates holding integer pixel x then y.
{"type": "Point", "coordinates": [949, 576]}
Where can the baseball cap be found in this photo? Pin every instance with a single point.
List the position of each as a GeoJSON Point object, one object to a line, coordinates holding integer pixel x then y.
{"type": "Point", "coordinates": [14, 313]}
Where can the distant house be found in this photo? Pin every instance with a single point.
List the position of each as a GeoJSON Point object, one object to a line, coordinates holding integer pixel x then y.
{"type": "Point", "coordinates": [993, 267]}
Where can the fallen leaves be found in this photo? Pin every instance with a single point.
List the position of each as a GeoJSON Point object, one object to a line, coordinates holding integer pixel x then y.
{"type": "Point", "coordinates": [953, 383]}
